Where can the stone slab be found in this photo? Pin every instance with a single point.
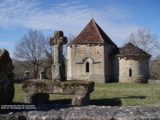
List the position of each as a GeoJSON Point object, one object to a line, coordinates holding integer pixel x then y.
{"type": "Point", "coordinates": [38, 90]}
{"type": "Point", "coordinates": [53, 87]}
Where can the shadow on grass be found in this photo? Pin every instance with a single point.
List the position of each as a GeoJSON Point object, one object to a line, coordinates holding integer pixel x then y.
{"type": "Point", "coordinates": [106, 102]}
{"type": "Point", "coordinates": [99, 102]}
{"type": "Point", "coordinates": [114, 101]}
{"type": "Point", "coordinates": [65, 103]}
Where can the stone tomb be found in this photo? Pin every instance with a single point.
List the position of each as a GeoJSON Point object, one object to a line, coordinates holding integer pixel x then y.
{"type": "Point", "coordinates": [38, 90]}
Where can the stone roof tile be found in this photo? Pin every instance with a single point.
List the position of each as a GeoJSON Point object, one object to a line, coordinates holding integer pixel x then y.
{"type": "Point", "coordinates": [92, 33]}
{"type": "Point", "coordinates": [131, 50]}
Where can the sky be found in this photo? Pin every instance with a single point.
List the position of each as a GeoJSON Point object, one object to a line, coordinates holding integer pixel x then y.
{"type": "Point", "coordinates": [118, 18]}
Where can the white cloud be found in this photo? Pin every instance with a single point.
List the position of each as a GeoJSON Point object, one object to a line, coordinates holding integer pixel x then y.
{"type": "Point", "coordinates": [70, 17]}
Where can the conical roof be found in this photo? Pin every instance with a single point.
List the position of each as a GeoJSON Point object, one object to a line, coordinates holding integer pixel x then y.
{"type": "Point", "coordinates": [131, 50]}
{"type": "Point", "coordinates": [92, 33]}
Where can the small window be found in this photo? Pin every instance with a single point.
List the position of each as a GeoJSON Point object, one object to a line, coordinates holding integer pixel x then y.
{"type": "Point", "coordinates": [87, 67]}
{"type": "Point", "coordinates": [130, 72]}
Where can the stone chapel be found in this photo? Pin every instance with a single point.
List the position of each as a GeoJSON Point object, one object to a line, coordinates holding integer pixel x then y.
{"type": "Point", "coordinates": [93, 56]}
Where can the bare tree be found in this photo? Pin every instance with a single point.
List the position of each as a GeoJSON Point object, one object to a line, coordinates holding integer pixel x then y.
{"type": "Point", "coordinates": [145, 40]}
{"type": "Point", "coordinates": [32, 48]}
{"type": "Point", "coordinates": [48, 51]}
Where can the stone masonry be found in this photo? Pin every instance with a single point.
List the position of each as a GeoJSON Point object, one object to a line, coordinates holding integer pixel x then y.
{"type": "Point", "coordinates": [38, 90]}
{"type": "Point", "coordinates": [133, 64]}
{"type": "Point", "coordinates": [88, 113]}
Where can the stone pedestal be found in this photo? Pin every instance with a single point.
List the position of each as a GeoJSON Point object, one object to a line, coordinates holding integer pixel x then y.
{"type": "Point", "coordinates": [81, 100]}
{"type": "Point", "coordinates": [37, 98]}
{"type": "Point", "coordinates": [58, 72]}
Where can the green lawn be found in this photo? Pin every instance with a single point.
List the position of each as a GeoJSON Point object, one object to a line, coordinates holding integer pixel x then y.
{"type": "Point", "coordinates": [120, 94]}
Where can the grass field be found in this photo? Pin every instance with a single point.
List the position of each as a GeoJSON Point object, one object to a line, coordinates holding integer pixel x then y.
{"type": "Point", "coordinates": [119, 94]}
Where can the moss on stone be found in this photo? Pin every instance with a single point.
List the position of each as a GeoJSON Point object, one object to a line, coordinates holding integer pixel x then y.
{"type": "Point", "coordinates": [63, 87]}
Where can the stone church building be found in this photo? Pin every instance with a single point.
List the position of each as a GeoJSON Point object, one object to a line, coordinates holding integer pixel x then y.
{"type": "Point", "coordinates": [93, 56]}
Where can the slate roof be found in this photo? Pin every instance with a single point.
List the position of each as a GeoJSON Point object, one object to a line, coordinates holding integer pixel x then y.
{"type": "Point", "coordinates": [131, 50]}
{"type": "Point", "coordinates": [92, 33]}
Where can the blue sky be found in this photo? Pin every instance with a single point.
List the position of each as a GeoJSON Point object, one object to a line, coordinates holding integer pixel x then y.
{"type": "Point", "coordinates": [118, 18]}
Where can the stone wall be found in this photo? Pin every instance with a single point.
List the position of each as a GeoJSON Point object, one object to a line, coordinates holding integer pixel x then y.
{"type": "Point", "coordinates": [105, 66]}
{"type": "Point", "coordinates": [78, 56]}
{"type": "Point", "coordinates": [109, 50]}
{"type": "Point", "coordinates": [115, 69]}
{"type": "Point", "coordinates": [133, 70]}
{"type": "Point", "coordinates": [88, 113]}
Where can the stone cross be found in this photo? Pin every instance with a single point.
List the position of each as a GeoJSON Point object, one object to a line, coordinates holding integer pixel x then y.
{"type": "Point", "coordinates": [58, 67]}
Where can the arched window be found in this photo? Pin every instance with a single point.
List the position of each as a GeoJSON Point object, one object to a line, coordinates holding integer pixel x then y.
{"type": "Point", "coordinates": [87, 67]}
{"type": "Point", "coordinates": [130, 72]}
